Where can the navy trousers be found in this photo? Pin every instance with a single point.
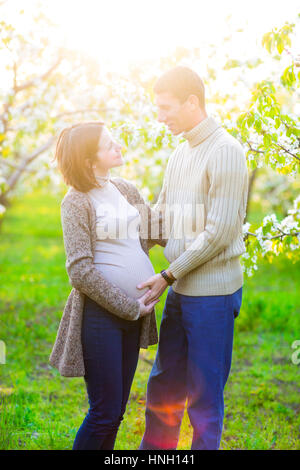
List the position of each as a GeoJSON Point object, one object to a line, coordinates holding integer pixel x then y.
{"type": "Point", "coordinates": [192, 363]}
{"type": "Point", "coordinates": [110, 350]}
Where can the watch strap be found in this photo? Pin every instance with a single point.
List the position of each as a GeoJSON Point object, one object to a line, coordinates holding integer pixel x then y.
{"type": "Point", "coordinates": [166, 277]}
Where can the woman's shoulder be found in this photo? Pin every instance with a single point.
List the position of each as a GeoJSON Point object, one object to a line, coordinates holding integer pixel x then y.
{"type": "Point", "coordinates": [126, 186]}
{"type": "Point", "coordinates": [120, 181]}
{"type": "Point", "coordinates": [74, 199]}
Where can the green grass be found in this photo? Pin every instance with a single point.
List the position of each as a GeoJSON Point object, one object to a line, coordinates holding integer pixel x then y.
{"type": "Point", "coordinates": [42, 410]}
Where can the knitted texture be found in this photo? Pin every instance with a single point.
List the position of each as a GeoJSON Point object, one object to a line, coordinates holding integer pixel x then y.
{"type": "Point", "coordinates": [207, 171]}
{"type": "Point", "coordinates": [79, 231]}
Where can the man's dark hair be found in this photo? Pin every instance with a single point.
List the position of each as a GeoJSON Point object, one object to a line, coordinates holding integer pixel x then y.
{"type": "Point", "coordinates": [181, 82]}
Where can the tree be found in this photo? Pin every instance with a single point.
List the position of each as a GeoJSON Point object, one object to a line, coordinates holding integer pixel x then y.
{"type": "Point", "coordinates": [45, 93]}
{"type": "Point", "coordinates": [272, 135]}
{"type": "Point", "coordinates": [48, 92]}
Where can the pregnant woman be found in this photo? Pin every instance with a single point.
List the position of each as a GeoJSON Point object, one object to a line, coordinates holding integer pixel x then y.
{"type": "Point", "coordinates": [105, 320]}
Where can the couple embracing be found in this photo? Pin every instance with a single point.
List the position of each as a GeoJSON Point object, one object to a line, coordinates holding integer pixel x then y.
{"type": "Point", "coordinates": [110, 314]}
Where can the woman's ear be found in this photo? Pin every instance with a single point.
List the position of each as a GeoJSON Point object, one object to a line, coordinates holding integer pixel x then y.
{"type": "Point", "coordinates": [88, 166]}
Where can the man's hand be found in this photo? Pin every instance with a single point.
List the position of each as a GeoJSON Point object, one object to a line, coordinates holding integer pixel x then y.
{"type": "Point", "coordinates": [157, 285]}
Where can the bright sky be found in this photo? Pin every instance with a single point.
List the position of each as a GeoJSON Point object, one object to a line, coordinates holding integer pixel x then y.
{"type": "Point", "coordinates": [123, 31]}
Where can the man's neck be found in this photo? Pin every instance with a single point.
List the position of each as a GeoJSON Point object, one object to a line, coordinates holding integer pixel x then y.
{"type": "Point", "coordinates": [199, 117]}
{"type": "Point", "coordinates": [201, 131]}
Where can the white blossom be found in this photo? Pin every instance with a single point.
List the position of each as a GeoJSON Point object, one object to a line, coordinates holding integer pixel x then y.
{"type": "Point", "coordinates": [246, 227]}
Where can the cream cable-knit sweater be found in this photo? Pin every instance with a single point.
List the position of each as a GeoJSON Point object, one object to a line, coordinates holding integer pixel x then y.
{"type": "Point", "coordinates": [209, 171]}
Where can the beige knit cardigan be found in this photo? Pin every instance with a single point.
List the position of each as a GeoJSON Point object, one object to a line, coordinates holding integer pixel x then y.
{"type": "Point", "coordinates": [79, 232]}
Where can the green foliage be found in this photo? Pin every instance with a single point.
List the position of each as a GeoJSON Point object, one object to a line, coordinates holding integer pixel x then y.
{"type": "Point", "coordinates": [278, 38]}
{"type": "Point", "coordinates": [39, 409]}
{"type": "Point", "coordinates": [41, 103]}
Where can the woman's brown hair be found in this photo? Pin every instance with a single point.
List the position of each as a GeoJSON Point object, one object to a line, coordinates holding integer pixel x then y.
{"type": "Point", "coordinates": [75, 154]}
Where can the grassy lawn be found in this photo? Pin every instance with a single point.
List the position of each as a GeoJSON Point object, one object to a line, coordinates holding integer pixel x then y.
{"type": "Point", "coordinates": [42, 410]}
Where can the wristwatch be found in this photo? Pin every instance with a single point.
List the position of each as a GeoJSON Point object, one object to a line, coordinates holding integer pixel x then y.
{"type": "Point", "coordinates": [166, 277]}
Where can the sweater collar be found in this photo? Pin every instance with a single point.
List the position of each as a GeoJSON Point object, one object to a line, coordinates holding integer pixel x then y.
{"type": "Point", "coordinates": [103, 180]}
{"type": "Point", "coordinates": [201, 131]}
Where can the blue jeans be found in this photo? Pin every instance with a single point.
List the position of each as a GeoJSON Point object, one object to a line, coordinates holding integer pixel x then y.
{"type": "Point", "coordinates": [192, 363]}
{"type": "Point", "coordinates": [110, 350]}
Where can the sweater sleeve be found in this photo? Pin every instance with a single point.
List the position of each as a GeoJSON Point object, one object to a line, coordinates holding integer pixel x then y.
{"type": "Point", "coordinates": [161, 200]}
{"type": "Point", "coordinates": [228, 176]}
{"type": "Point", "coordinates": [158, 215]}
{"type": "Point", "coordinates": [83, 275]}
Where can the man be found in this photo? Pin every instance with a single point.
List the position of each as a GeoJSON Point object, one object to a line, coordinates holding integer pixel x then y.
{"type": "Point", "coordinates": [207, 171]}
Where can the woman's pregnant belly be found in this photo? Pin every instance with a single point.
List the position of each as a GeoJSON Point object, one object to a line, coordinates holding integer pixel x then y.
{"type": "Point", "coordinates": [126, 270]}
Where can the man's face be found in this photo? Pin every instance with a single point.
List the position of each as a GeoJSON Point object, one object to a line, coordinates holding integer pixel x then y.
{"type": "Point", "coordinates": [173, 113]}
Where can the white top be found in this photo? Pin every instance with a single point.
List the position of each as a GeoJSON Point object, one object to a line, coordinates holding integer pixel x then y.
{"type": "Point", "coordinates": [119, 255]}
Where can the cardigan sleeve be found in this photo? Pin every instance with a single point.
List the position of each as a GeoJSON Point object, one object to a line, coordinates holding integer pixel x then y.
{"type": "Point", "coordinates": [83, 275]}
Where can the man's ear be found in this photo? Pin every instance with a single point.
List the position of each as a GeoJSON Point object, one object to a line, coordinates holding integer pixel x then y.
{"type": "Point", "coordinates": [193, 102]}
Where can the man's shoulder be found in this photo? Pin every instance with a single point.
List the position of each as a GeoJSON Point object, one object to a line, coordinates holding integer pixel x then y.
{"type": "Point", "coordinates": [176, 153]}
{"type": "Point", "coordinates": [225, 144]}
{"type": "Point", "coordinates": [225, 140]}
{"type": "Point", "coordinates": [180, 147]}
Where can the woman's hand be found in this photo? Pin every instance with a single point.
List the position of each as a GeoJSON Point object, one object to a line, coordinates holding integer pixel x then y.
{"type": "Point", "coordinates": [157, 285]}
{"type": "Point", "coordinates": [146, 309]}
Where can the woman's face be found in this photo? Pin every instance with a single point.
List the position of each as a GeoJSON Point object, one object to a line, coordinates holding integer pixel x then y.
{"type": "Point", "coordinates": [109, 152]}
